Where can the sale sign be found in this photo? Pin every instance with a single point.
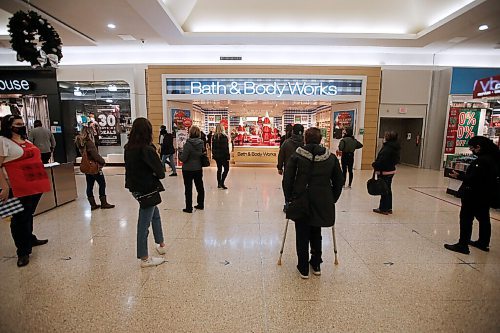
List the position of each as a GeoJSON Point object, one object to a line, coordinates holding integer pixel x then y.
{"type": "Point", "coordinates": [468, 125]}
{"type": "Point", "coordinates": [109, 132]}
{"type": "Point", "coordinates": [451, 132]}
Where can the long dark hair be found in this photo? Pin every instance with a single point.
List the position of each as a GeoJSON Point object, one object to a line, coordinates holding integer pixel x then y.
{"type": "Point", "coordinates": [487, 146]}
{"type": "Point", "coordinates": [6, 128]}
{"type": "Point", "coordinates": [141, 134]}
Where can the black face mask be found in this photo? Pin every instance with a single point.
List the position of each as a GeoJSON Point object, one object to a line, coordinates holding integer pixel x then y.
{"type": "Point", "coordinates": [20, 130]}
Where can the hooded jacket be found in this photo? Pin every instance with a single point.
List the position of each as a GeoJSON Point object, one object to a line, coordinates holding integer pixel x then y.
{"type": "Point", "coordinates": [324, 178]}
{"type": "Point", "coordinates": [349, 144]}
{"type": "Point", "coordinates": [191, 154]}
{"type": "Point", "coordinates": [387, 157]}
{"type": "Point", "coordinates": [288, 148]}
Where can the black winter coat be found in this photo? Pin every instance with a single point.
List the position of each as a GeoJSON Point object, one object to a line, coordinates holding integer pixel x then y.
{"type": "Point", "coordinates": [220, 148]}
{"type": "Point", "coordinates": [143, 170]}
{"type": "Point", "coordinates": [167, 145]}
{"type": "Point", "coordinates": [480, 179]}
{"type": "Point", "coordinates": [387, 157]}
{"type": "Point", "coordinates": [287, 149]}
{"type": "Point", "coordinates": [325, 183]}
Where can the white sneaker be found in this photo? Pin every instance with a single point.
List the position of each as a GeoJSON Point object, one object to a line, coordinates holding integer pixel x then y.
{"type": "Point", "coordinates": [152, 261]}
{"type": "Point", "coordinates": [161, 250]}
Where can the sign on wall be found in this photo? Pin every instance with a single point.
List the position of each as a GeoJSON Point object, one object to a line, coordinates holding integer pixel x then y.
{"type": "Point", "coordinates": [451, 131]}
{"type": "Point", "coordinates": [468, 125]}
{"type": "Point", "coordinates": [342, 120]}
{"type": "Point", "coordinates": [180, 119]}
{"type": "Point", "coordinates": [109, 133]}
{"type": "Point", "coordinates": [487, 87]}
{"type": "Point", "coordinates": [278, 88]}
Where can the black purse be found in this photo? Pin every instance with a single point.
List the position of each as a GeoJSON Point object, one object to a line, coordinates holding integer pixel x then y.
{"type": "Point", "coordinates": [376, 186]}
{"type": "Point", "coordinates": [149, 199]}
{"type": "Point", "coordinates": [300, 207]}
{"type": "Point", "coordinates": [205, 162]}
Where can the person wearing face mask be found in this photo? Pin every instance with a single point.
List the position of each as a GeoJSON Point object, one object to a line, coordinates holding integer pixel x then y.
{"type": "Point", "coordinates": [27, 180]}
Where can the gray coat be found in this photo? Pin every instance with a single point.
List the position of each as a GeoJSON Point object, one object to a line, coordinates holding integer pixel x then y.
{"type": "Point", "coordinates": [191, 154]}
{"type": "Point", "coordinates": [325, 183]}
{"type": "Point", "coordinates": [43, 139]}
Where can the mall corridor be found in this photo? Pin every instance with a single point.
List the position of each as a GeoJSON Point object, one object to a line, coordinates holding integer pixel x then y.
{"type": "Point", "coordinates": [221, 276]}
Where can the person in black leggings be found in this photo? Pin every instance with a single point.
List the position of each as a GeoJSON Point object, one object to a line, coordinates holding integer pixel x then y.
{"type": "Point", "coordinates": [347, 146]}
{"type": "Point", "coordinates": [220, 153]}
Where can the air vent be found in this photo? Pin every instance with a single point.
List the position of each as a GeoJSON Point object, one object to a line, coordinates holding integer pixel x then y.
{"type": "Point", "coordinates": [127, 37]}
{"type": "Point", "coordinates": [231, 58]}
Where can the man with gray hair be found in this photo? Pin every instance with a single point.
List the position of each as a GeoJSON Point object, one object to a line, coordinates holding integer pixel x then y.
{"type": "Point", "coordinates": [43, 139]}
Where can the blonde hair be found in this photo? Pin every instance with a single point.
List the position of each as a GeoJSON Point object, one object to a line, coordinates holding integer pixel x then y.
{"type": "Point", "coordinates": [219, 129]}
{"type": "Point", "coordinates": [194, 132]}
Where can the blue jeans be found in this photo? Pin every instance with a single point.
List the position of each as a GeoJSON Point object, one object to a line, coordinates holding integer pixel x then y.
{"type": "Point", "coordinates": [171, 161]}
{"type": "Point", "coordinates": [91, 179]}
{"type": "Point", "coordinates": [147, 216]}
{"type": "Point", "coordinates": [386, 200]}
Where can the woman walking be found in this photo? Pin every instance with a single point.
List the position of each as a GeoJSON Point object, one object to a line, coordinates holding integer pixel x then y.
{"type": "Point", "coordinates": [220, 153]}
{"type": "Point", "coordinates": [28, 180]}
{"type": "Point", "coordinates": [167, 149]}
{"type": "Point", "coordinates": [143, 171]}
{"type": "Point", "coordinates": [347, 146]}
{"type": "Point", "coordinates": [86, 143]}
{"type": "Point", "coordinates": [192, 169]}
{"type": "Point", "coordinates": [385, 167]}
{"type": "Point", "coordinates": [313, 171]}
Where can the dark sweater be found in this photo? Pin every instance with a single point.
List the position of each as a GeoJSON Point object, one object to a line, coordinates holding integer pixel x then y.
{"type": "Point", "coordinates": [288, 148]}
{"type": "Point", "coordinates": [143, 170]}
{"type": "Point", "coordinates": [191, 154]}
{"type": "Point", "coordinates": [388, 157]}
{"type": "Point", "coordinates": [220, 148]}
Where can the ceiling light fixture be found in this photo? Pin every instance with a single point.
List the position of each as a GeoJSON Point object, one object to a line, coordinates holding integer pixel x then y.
{"type": "Point", "coordinates": [109, 101]}
{"type": "Point", "coordinates": [77, 92]}
{"type": "Point", "coordinates": [112, 87]}
{"type": "Point", "coordinates": [483, 27]}
{"type": "Point", "coordinates": [111, 26]}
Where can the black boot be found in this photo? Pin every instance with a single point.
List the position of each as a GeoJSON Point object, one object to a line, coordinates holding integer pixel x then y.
{"type": "Point", "coordinates": [23, 261]}
{"type": "Point", "coordinates": [477, 244]}
{"type": "Point", "coordinates": [104, 203]}
{"type": "Point", "coordinates": [93, 204]}
{"type": "Point", "coordinates": [460, 248]}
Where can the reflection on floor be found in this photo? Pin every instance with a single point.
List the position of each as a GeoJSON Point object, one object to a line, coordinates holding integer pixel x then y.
{"type": "Point", "coordinates": [221, 274]}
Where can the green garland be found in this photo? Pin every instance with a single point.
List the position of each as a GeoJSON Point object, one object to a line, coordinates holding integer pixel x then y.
{"type": "Point", "coordinates": [24, 28]}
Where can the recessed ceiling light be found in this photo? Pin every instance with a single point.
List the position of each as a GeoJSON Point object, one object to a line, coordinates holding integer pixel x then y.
{"type": "Point", "coordinates": [111, 26]}
{"type": "Point", "coordinates": [112, 87]}
{"type": "Point", "coordinates": [483, 27]}
{"type": "Point", "coordinates": [109, 101]}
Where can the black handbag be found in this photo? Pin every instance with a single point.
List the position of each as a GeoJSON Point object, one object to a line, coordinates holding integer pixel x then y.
{"type": "Point", "coordinates": [299, 208]}
{"type": "Point", "coordinates": [149, 199]}
{"type": "Point", "coordinates": [205, 162]}
{"type": "Point", "coordinates": [376, 186]}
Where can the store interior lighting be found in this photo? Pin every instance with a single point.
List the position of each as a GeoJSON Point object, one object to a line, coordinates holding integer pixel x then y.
{"type": "Point", "coordinates": [109, 101]}
{"type": "Point", "coordinates": [112, 87]}
{"type": "Point", "coordinates": [483, 27]}
{"type": "Point", "coordinates": [77, 92]}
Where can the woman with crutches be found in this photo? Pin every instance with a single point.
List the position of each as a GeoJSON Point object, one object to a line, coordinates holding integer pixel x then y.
{"type": "Point", "coordinates": [312, 171]}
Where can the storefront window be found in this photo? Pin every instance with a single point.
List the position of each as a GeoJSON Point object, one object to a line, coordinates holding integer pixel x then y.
{"type": "Point", "coordinates": [102, 104]}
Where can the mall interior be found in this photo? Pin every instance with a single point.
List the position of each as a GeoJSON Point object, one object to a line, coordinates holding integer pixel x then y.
{"type": "Point", "coordinates": [429, 71]}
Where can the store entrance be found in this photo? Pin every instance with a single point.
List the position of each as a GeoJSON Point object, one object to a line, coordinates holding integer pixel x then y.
{"type": "Point", "coordinates": [409, 132]}
{"type": "Point", "coordinates": [254, 127]}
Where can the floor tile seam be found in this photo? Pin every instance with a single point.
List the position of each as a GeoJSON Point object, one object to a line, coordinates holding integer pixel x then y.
{"type": "Point", "coordinates": [262, 278]}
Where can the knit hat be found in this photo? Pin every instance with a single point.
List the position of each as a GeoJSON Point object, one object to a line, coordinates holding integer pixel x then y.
{"type": "Point", "coordinates": [298, 129]}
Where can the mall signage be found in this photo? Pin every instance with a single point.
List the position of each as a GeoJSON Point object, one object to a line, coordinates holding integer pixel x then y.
{"type": "Point", "coordinates": [264, 87]}
{"type": "Point", "coordinates": [487, 87]}
{"type": "Point", "coordinates": [15, 85]}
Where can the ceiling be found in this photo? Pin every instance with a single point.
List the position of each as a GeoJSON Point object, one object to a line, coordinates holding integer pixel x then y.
{"type": "Point", "coordinates": [199, 31]}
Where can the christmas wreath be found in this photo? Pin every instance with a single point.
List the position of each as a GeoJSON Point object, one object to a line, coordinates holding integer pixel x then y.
{"type": "Point", "coordinates": [34, 39]}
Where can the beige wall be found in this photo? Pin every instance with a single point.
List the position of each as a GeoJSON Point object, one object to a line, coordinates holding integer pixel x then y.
{"type": "Point", "coordinates": [373, 74]}
{"type": "Point", "coordinates": [406, 86]}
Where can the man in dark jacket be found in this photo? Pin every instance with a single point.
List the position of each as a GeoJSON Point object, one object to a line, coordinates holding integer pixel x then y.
{"type": "Point", "coordinates": [313, 169]}
{"type": "Point", "coordinates": [288, 133]}
{"type": "Point", "coordinates": [291, 144]}
{"type": "Point", "coordinates": [385, 166]}
{"type": "Point", "coordinates": [347, 146]}
{"type": "Point", "coordinates": [167, 151]}
{"type": "Point", "coordinates": [477, 191]}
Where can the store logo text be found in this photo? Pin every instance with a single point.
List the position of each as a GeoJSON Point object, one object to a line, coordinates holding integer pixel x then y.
{"type": "Point", "coordinates": [14, 85]}
{"type": "Point", "coordinates": [273, 89]}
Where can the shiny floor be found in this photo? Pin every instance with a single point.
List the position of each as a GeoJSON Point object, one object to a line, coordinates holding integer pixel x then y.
{"type": "Point", "coordinates": [221, 276]}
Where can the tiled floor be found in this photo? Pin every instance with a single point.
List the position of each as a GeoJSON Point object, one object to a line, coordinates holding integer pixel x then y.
{"type": "Point", "coordinates": [221, 276]}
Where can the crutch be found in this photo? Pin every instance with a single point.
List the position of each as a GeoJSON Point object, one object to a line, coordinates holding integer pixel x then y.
{"type": "Point", "coordinates": [283, 243]}
{"type": "Point", "coordinates": [334, 245]}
